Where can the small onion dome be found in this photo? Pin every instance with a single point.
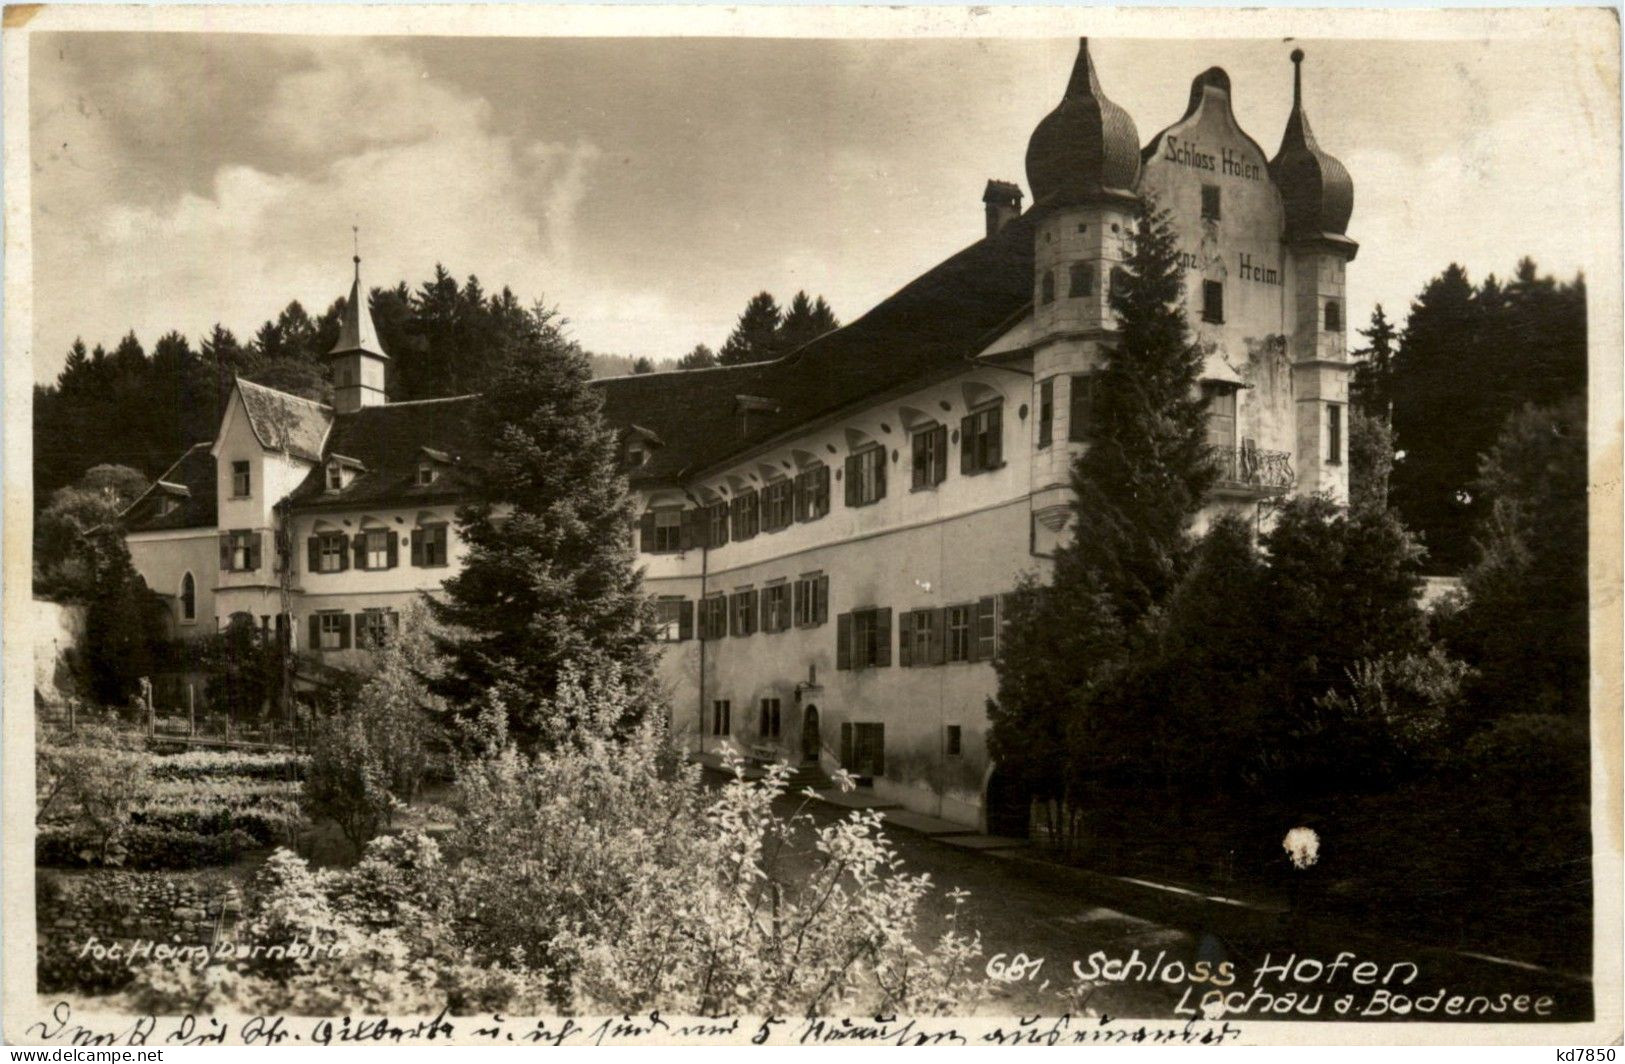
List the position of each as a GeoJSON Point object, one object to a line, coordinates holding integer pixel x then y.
{"type": "Point", "coordinates": [1316, 190]}
{"type": "Point", "coordinates": [1086, 148]}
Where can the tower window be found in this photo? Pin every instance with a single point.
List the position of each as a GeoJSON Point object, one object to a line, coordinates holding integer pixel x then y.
{"type": "Point", "coordinates": [1046, 412]}
{"type": "Point", "coordinates": [241, 480]}
{"type": "Point", "coordinates": [1081, 408]}
{"type": "Point", "coordinates": [1047, 288]}
{"type": "Point", "coordinates": [1083, 280]}
{"type": "Point", "coordinates": [1221, 416]}
{"type": "Point", "coordinates": [1213, 301]}
{"type": "Point", "coordinates": [1334, 435]}
{"type": "Point", "coordinates": [1210, 203]}
{"type": "Point", "coordinates": [188, 598]}
{"type": "Point", "coordinates": [1119, 281]}
{"type": "Point", "coordinates": [1334, 316]}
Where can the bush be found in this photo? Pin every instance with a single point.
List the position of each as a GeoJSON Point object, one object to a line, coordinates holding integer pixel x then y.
{"type": "Point", "coordinates": [144, 847]}
{"type": "Point", "coordinates": [90, 785]}
{"type": "Point", "coordinates": [346, 780]}
{"type": "Point", "coordinates": [218, 764]}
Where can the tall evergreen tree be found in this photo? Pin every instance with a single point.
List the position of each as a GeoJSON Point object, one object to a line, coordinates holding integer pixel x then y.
{"type": "Point", "coordinates": [550, 576]}
{"type": "Point", "coordinates": [1371, 390]}
{"type": "Point", "coordinates": [702, 357]}
{"type": "Point", "coordinates": [805, 321]}
{"type": "Point", "coordinates": [756, 335]}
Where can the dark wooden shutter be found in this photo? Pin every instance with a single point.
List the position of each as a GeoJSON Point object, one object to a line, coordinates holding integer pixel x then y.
{"type": "Point", "coordinates": [1046, 412]}
{"type": "Point", "coordinates": [359, 542]}
{"type": "Point", "coordinates": [798, 593]}
{"type": "Point", "coordinates": [225, 552]}
{"type": "Point", "coordinates": [883, 636]}
{"type": "Point", "coordinates": [646, 532]}
{"type": "Point", "coordinates": [995, 437]}
{"type": "Point", "coordinates": [821, 499]}
{"type": "Point", "coordinates": [939, 454]}
{"type": "Point", "coordinates": [315, 631]}
{"type": "Point", "coordinates": [721, 509]}
{"type": "Point", "coordinates": [843, 643]}
{"type": "Point", "coordinates": [821, 601]}
{"type": "Point", "coordinates": [416, 539]}
{"type": "Point", "coordinates": [690, 531]}
{"type": "Point", "coordinates": [939, 636]}
{"type": "Point", "coordinates": [394, 554]}
{"type": "Point", "coordinates": [255, 539]}
{"type": "Point", "coordinates": [967, 444]}
{"type": "Point", "coordinates": [761, 609]}
{"type": "Point", "coordinates": [344, 630]}
{"type": "Point", "coordinates": [685, 619]}
{"type": "Point", "coordinates": [852, 480]}
{"type": "Point", "coordinates": [344, 555]}
{"type": "Point", "coordinates": [880, 474]}
{"type": "Point", "coordinates": [905, 639]}
{"type": "Point", "coordinates": [313, 552]}
{"type": "Point", "coordinates": [846, 745]}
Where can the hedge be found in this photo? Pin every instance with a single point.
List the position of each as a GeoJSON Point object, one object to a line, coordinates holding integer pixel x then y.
{"type": "Point", "coordinates": [147, 848]}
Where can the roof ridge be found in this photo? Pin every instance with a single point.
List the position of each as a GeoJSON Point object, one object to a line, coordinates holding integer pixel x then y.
{"type": "Point", "coordinates": [286, 395]}
{"type": "Point", "coordinates": [421, 402]}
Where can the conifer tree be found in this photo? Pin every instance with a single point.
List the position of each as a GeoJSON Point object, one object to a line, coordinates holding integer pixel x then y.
{"type": "Point", "coordinates": [550, 575]}
{"type": "Point", "coordinates": [756, 335]}
{"type": "Point", "coordinates": [1371, 390]}
{"type": "Point", "coordinates": [805, 321]}
{"type": "Point", "coordinates": [702, 357]}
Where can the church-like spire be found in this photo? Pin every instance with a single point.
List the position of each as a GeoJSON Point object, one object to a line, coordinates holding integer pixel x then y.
{"type": "Point", "coordinates": [356, 330]}
{"type": "Point", "coordinates": [1086, 148]}
{"type": "Point", "coordinates": [1315, 188]}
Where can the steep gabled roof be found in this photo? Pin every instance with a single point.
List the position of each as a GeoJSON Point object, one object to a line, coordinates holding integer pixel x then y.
{"type": "Point", "coordinates": [388, 441]}
{"type": "Point", "coordinates": [283, 422]}
{"type": "Point", "coordinates": [190, 484]}
{"type": "Point", "coordinates": [937, 322]}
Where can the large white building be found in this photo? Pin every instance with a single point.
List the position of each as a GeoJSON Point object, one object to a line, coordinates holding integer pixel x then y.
{"type": "Point", "coordinates": [829, 535]}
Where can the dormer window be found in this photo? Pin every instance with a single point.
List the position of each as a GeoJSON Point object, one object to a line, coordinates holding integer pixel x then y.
{"type": "Point", "coordinates": [167, 505]}
{"type": "Point", "coordinates": [341, 472]}
{"type": "Point", "coordinates": [636, 456]}
{"type": "Point", "coordinates": [335, 477]}
{"type": "Point", "coordinates": [426, 474]}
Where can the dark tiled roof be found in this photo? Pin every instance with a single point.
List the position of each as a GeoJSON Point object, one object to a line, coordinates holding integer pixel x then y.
{"type": "Point", "coordinates": [283, 422]}
{"type": "Point", "coordinates": [194, 474]}
{"type": "Point", "coordinates": [938, 321]}
{"type": "Point", "coordinates": [389, 442]}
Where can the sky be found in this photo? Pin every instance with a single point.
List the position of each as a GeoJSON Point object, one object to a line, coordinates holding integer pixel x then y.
{"type": "Point", "coordinates": [649, 187]}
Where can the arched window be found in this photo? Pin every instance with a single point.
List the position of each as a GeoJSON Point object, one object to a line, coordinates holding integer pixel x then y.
{"type": "Point", "coordinates": [1048, 287]}
{"type": "Point", "coordinates": [1334, 316]}
{"type": "Point", "coordinates": [188, 598]}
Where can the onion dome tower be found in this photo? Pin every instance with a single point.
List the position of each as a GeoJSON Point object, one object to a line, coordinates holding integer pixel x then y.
{"type": "Point", "coordinates": [1083, 166]}
{"type": "Point", "coordinates": [358, 359]}
{"type": "Point", "coordinates": [1318, 197]}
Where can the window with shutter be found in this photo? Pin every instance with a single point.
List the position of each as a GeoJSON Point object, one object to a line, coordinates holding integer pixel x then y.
{"type": "Point", "coordinates": [685, 620]}
{"type": "Point", "coordinates": [1081, 280]}
{"type": "Point", "coordinates": [958, 639]}
{"type": "Point", "coordinates": [905, 639]}
{"type": "Point", "coordinates": [987, 629]}
{"type": "Point", "coordinates": [255, 542]}
{"type": "Point", "coordinates": [843, 642]}
{"type": "Point", "coordinates": [981, 441]}
{"type": "Point", "coordinates": [1221, 416]}
{"type": "Point", "coordinates": [822, 604]}
{"type": "Point", "coordinates": [882, 639]}
{"type": "Point", "coordinates": [1213, 301]}
{"type": "Point", "coordinates": [866, 477]}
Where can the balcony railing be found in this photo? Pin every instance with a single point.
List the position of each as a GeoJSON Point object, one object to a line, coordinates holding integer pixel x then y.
{"type": "Point", "coordinates": [1250, 469]}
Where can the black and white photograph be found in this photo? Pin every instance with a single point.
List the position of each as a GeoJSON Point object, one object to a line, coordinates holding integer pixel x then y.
{"type": "Point", "coordinates": [811, 526]}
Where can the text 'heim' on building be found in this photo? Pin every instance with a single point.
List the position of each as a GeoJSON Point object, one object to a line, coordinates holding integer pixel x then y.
{"type": "Point", "coordinates": [829, 536]}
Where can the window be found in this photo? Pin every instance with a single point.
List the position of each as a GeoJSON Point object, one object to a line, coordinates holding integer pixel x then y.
{"type": "Point", "coordinates": [429, 545]}
{"type": "Point", "coordinates": [674, 619]}
{"type": "Point", "coordinates": [327, 553]}
{"type": "Point", "coordinates": [1046, 412]}
{"type": "Point", "coordinates": [959, 633]}
{"type": "Point", "coordinates": [376, 546]}
{"type": "Point", "coordinates": [661, 531]}
{"type": "Point", "coordinates": [167, 505]}
{"type": "Point", "coordinates": [335, 476]}
{"type": "Point", "coordinates": [239, 550]}
{"type": "Point", "coordinates": [1210, 203]}
{"type": "Point", "coordinates": [188, 598]}
{"type": "Point", "coordinates": [812, 493]}
{"type": "Point", "coordinates": [866, 477]}
{"type": "Point", "coordinates": [1081, 409]}
{"type": "Point", "coordinates": [930, 457]}
{"type": "Point", "coordinates": [240, 480]}
{"type": "Point", "coordinates": [986, 632]}
{"type": "Point", "coordinates": [811, 600]}
{"type": "Point", "coordinates": [1081, 280]}
{"type": "Point", "coordinates": [374, 627]}
{"type": "Point", "coordinates": [746, 515]}
{"type": "Point", "coordinates": [863, 748]}
{"type": "Point", "coordinates": [742, 620]}
{"type": "Point", "coordinates": [1334, 316]}
{"type": "Point", "coordinates": [1221, 416]}
{"type": "Point", "coordinates": [863, 639]}
{"type": "Point", "coordinates": [332, 631]}
{"type": "Point", "coordinates": [952, 741]}
{"type": "Point", "coordinates": [636, 455]}
{"type": "Point", "coordinates": [981, 441]}
{"type": "Point", "coordinates": [920, 638]}
{"type": "Point", "coordinates": [1119, 281]}
{"type": "Point", "coordinates": [714, 616]}
{"type": "Point", "coordinates": [717, 521]}
{"type": "Point", "coordinates": [1334, 435]}
{"type": "Point", "coordinates": [426, 474]}
{"type": "Point", "coordinates": [776, 607]}
{"type": "Point", "coordinates": [779, 505]}
{"type": "Point", "coordinates": [721, 714]}
{"type": "Point", "coordinates": [1213, 301]}
{"type": "Point", "coordinates": [769, 721]}
{"type": "Point", "coordinates": [1047, 288]}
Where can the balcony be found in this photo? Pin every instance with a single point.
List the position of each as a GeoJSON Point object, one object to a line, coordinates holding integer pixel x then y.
{"type": "Point", "coordinates": [1248, 470]}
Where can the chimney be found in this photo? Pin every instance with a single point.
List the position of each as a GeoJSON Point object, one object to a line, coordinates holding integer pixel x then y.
{"type": "Point", "coordinates": [1003, 200]}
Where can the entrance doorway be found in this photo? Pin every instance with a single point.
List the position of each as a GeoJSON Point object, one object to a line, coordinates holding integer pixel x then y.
{"type": "Point", "coordinates": [1008, 805]}
{"type": "Point", "coordinates": [810, 741]}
